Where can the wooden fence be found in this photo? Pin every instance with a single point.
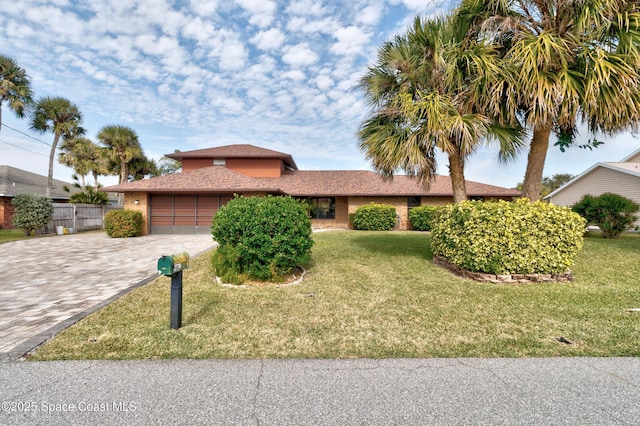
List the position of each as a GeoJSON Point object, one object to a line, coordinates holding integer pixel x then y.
{"type": "Point", "coordinates": [80, 217]}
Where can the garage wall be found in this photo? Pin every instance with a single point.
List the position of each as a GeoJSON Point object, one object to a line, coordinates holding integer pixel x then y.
{"type": "Point", "coordinates": [184, 214]}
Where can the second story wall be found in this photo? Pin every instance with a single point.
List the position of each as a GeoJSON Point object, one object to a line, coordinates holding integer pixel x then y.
{"type": "Point", "coordinates": [253, 167]}
{"type": "Point", "coordinates": [256, 167]}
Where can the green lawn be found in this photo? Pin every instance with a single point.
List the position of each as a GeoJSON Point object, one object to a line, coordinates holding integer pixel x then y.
{"type": "Point", "coordinates": [7, 235]}
{"type": "Point", "coordinates": [375, 295]}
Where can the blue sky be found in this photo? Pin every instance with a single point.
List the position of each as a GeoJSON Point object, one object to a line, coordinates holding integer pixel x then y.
{"type": "Point", "coordinates": [195, 74]}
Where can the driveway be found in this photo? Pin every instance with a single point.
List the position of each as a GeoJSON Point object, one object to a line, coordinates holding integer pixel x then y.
{"type": "Point", "coordinates": [47, 284]}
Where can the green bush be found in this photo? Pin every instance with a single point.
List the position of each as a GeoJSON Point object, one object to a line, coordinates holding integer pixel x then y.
{"type": "Point", "coordinates": [612, 213]}
{"type": "Point", "coordinates": [375, 217]}
{"type": "Point", "coordinates": [123, 223]}
{"type": "Point", "coordinates": [422, 217]}
{"type": "Point", "coordinates": [31, 211]}
{"type": "Point", "coordinates": [508, 238]}
{"type": "Point", "coordinates": [260, 237]}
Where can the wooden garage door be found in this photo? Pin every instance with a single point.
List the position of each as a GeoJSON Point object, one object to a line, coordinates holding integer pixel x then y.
{"type": "Point", "coordinates": [184, 214]}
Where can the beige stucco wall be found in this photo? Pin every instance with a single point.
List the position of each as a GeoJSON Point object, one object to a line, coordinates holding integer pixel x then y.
{"type": "Point", "coordinates": [142, 206]}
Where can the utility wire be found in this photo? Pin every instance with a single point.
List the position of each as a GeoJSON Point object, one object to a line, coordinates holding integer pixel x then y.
{"type": "Point", "coordinates": [25, 134]}
{"type": "Point", "coordinates": [21, 147]}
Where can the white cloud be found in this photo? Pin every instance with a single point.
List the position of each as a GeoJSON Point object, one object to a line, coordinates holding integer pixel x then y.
{"type": "Point", "coordinates": [300, 55]}
{"type": "Point", "coordinates": [269, 39]}
{"type": "Point", "coordinates": [203, 8]}
{"type": "Point", "coordinates": [370, 15]}
{"type": "Point", "coordinates": [262, 11]}
{"type": "Point", "coordinates": [295, 75]}
{"type": "Point", "coordinates": [233, 55]}
{"type": "Point", "coordinates": [350, 40]}
{"type": "Point", "coordinates": [307, 7]}
{"type": "Point", "coordinates": [306, 26]}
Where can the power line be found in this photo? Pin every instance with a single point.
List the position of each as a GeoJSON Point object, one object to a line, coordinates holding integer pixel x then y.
{"type": "Point", "coordinates": [27, 135]}
{"type": "Point", "coordinates": [21, 147]}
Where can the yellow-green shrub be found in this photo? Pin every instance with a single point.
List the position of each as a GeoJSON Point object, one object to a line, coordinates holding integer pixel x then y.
{"type": "Point", "coordinates": [123, 223]}
{"type": "Point", "coordinates": [508, 238]}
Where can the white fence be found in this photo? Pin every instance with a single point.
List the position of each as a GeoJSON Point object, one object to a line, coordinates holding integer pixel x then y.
{"type": "Point", "coordinates": [80, 217]}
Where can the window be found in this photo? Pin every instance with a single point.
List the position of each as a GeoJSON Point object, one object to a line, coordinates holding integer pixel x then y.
{"type": "Point", "coordinates": [476, 198]}
{"type": "Point", "coordinates": [321, 207]}
{"type": "Point", "coordinates": [413, 202]}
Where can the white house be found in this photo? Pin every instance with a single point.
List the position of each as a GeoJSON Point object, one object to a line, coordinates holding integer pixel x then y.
{"type": "Point", "coordinates": [622, 178]}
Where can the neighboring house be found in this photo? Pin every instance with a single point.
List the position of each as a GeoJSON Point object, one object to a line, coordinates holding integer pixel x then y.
{"type": "Point", "coordinates": [187, 201]}
{"type": "Point", "coordinates": [15, 181]}
{"type": "Point", "coordinates": [622, 178]}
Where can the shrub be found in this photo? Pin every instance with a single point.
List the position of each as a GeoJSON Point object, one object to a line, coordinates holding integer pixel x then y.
{"type": "Point", "coordinates": [375, 217]}
{"type": "Point", "coordinates": [123, 223]}
{"type": "Point", "coordinates": [260, 237]}
{"type": "Point", "coordinates": [422, 217]}
{"type": "Point", "coordinates": [508, 238]}
{"type": "Point", "coordinates": [31, 211]}
{"type": "Point", "coordinates": [612, 213]}
{"type": "Point", "coordinates": [89, 195]}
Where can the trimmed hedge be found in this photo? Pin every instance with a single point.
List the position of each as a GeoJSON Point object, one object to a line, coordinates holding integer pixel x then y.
{"type": "Point", "coordinates": [260, 237]}
{"type": "Point", "coordinates": [123, 223]}
{"type": "Point", "coordinates": [508, 238]}
{"type": "Point", "coordinates": [422, 217]}
{"type": "Point", "coordinates": [375, 217]}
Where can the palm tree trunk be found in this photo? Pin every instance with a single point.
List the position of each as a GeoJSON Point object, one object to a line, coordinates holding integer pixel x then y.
{"type": "Point", "coordinates": [56, 138]}
{"type": "Point", "coordinates": [532, 185]}
{"type": "Point", "coordinates": [456, 171]}
{"type": "Point", "coordinates": [124, 177]}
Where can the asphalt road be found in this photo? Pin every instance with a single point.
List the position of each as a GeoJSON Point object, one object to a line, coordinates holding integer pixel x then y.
{"type": "Point", "coordinates": [535, 391]}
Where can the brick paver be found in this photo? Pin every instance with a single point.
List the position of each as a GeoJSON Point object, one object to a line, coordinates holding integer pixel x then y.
{"type": "Point", "coordinates": [48, 283]}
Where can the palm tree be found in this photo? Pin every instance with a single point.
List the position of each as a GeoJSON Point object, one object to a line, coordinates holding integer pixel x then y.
{"type": "Point", "coordinates": [15, 87]}
{"type": "Point", "coordinates": [122, 146]}
{"type": "Point", "coordinates": [417, 90]}
{"type": "Point", "coordinates": [60, 116]}
{"type": "Point", "coordinates": [566, 61]}
{"type": "Point", "coordinates": [79, 154]}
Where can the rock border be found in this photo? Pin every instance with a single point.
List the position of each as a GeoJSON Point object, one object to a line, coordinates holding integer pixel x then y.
{"type": "Point", "coordinates": [502, 279]}
{"type": "Point", "coordinates": [294, 282]}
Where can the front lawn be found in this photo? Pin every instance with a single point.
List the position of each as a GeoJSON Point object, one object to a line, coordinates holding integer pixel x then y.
{"type": "Point", "coordinates": [7, 235]}
{"type": "Point", "coordinates": [375, 295]}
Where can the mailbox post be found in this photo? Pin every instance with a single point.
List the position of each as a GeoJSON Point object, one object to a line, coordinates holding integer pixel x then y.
{"type": "Point", "coordinates": [173, 266]}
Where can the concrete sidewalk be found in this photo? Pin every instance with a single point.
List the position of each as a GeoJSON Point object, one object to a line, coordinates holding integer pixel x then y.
{"type": "Point", "coordinates": [49, 283]}
{"type": "Point", "coordinates": [534, 391]}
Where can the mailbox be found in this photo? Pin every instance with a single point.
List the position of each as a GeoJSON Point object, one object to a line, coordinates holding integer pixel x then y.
{"type": "Point", "coordinates": [169, 265]}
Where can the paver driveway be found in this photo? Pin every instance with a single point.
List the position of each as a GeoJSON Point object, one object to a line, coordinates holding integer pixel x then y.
{"type": "Point", "coordinates": [48, 283]}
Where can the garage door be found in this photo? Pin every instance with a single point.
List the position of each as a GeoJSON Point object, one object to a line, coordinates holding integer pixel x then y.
{"type": "Point", "coordinates": [184, 214]}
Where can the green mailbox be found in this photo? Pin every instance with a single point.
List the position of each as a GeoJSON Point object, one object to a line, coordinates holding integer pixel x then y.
{"type": "Point", "coordinates": [169, 265]}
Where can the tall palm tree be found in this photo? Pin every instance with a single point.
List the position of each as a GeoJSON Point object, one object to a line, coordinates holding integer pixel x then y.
{"type": "Point", "coordinates": [417, 90]}
{"type": "Point", "coordinates": [566, 61]}
{"type": "Point", "coordinates": [122, 146]}
{"type": "Point", "coordinates": [15, 87]}
{"type": "Point", "coordinates": [61, 117]}
{"type": "Point", "coordinates": [79, 154]}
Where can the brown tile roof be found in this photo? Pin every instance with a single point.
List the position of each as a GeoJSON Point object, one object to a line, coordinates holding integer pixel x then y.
{"type": "Point", "coordinates": [208, 179]}
{"type": "Point", "coordinates": [367, 183]}
{"type": "Point", "coordinates": [235, 151]}
{"type": "Point", "coordinates": [306, 183]}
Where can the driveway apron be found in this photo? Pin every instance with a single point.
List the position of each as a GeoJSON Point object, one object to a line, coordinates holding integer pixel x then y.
{"type": "Point", "coordinates": [47, 284]}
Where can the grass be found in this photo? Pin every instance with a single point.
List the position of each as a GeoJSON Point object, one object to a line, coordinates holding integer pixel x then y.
{"type": "Point", "coordinates": [7, 235]}
{"type": "Point", "coordinates": [374, 295]}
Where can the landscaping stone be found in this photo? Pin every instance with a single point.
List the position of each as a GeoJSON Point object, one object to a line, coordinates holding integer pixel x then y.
{"type": "Point", "coordinates": [502, 278]}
